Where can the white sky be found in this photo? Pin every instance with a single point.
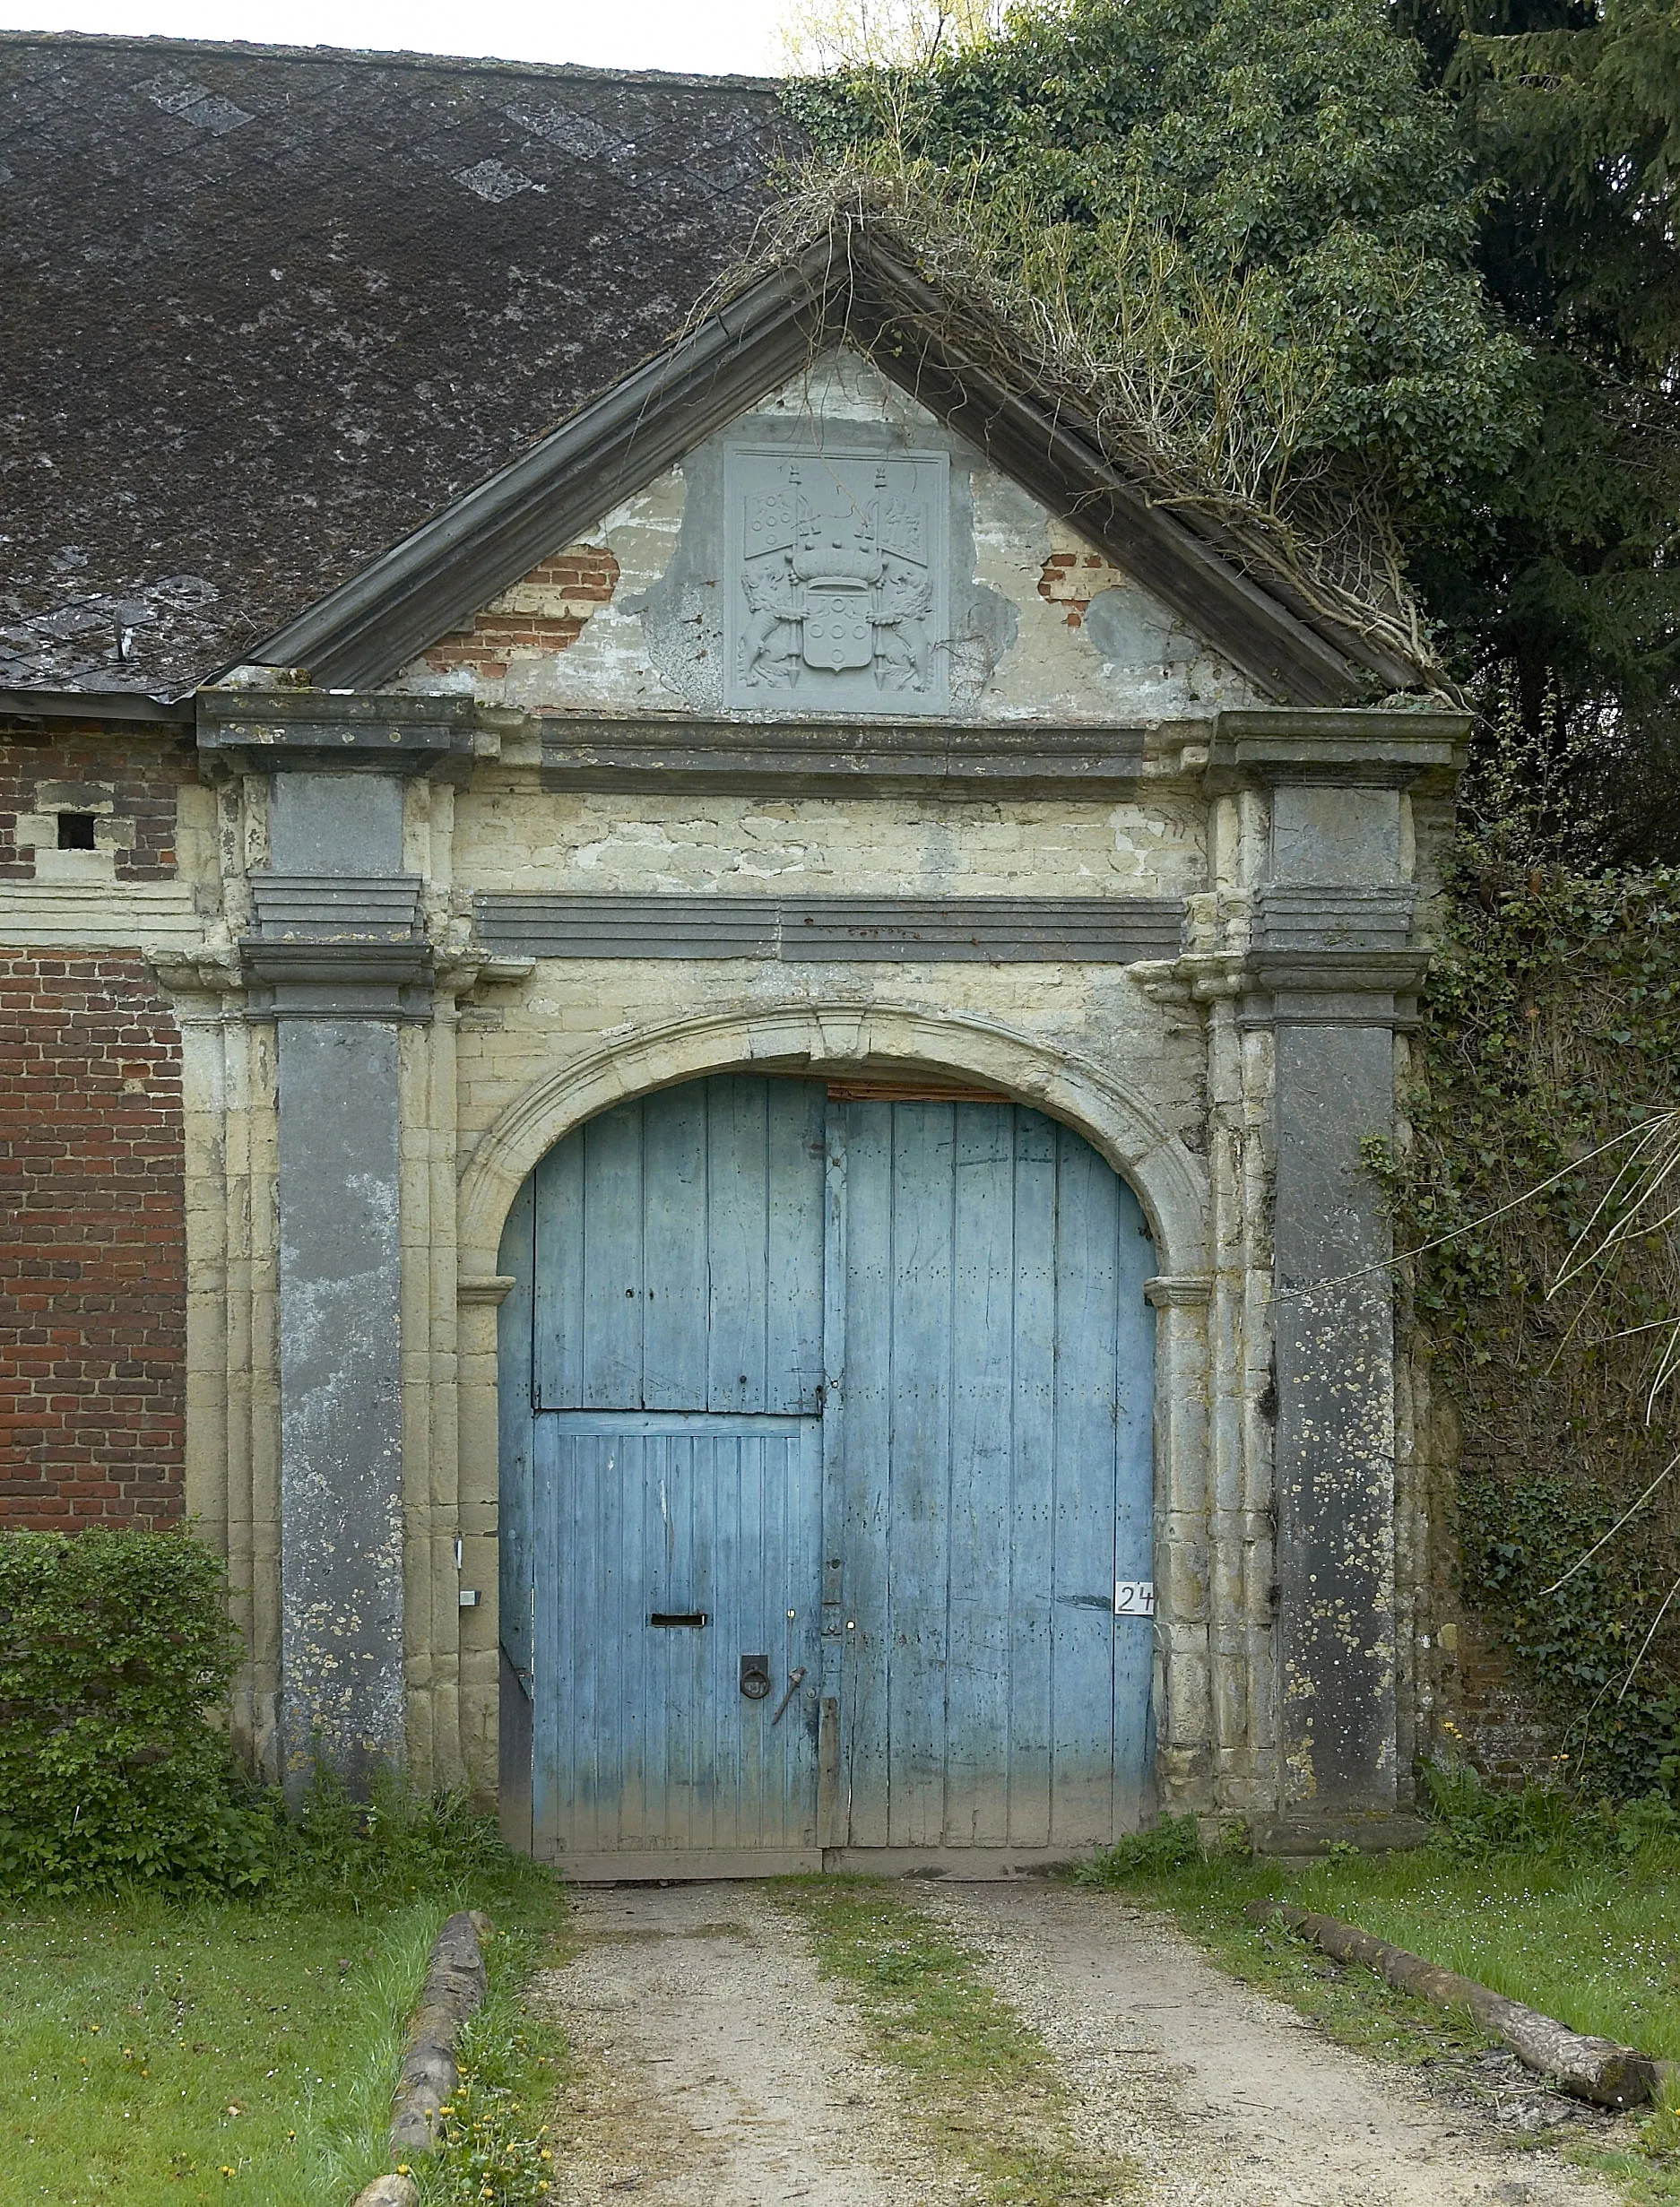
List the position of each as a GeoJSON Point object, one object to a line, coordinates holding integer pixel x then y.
{"type": "Point", "coordinates": [709, 35]}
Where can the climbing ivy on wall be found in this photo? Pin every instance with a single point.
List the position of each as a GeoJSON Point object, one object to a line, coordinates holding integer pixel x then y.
{"type": "Point", "coordinates": [1554, 1030]}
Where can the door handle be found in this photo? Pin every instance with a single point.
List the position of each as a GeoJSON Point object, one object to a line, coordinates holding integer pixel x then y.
{"type": "Point", "coordinates": [796, 1680]}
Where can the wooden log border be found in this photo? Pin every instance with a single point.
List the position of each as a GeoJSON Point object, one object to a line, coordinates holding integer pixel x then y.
{"type": "Point", "coordinates": [454, 1989]}
{"type": "Point", "coordinates": [1593, 2069]}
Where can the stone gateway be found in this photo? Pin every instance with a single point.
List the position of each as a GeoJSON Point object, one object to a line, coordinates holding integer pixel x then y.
{"type": "Point", "coordinates": [698, 1079]}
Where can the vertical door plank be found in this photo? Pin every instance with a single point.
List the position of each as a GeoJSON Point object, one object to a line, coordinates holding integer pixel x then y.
{"type": "Point", "coordinates": [674, 1266]}
{"type": "Point", "coordinates": [613, 1277]}
{"type": "Point", "coordinates": [1087, 1235]}
{"type": "Point", "coordinates": [753, 1630]}
{"type": "Point", "coordinates": [657, 1675]}
{"type": "Point", "coordinates": [516, 1514]}
{"type": "Point", "coordinates": [867, 1527]}
{"type": "Point", "coordinates": [737, 1148]}
{"type": "Point", "coordinates": [793, 1311]}
{"type": "Point", "coordinates": [919, 1558]}
{"type": "Point", "coordinates": [982, 1316]}
{"type": "Point", "coordinates": [1033, 1449]}
{"type": "Point", "coordinates": [1134, 1532]}
{"type": "Point", "coordinates": [558, 1184]}
{"type": "Point", "coordinates": [834, 1812]}
{"type": "Point", "coordinates": [550, 1745]}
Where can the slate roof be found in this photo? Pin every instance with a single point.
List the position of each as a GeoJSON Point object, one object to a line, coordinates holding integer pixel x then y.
{"type": "Point", "coordinates": [266, 310]}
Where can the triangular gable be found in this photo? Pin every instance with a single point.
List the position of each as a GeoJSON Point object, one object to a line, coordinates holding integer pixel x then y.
{"type": "Point", "coordinates": [436, 579]}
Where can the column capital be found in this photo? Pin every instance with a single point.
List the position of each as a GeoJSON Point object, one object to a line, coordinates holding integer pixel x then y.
{"type": "Point", "coordinates": [256, 731]}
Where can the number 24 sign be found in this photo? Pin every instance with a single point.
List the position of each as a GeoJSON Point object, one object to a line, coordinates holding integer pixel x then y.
{"type": "Point", "coordinates": [1134, 1598]}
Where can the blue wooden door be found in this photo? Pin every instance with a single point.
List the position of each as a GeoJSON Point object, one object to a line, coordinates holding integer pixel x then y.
{"type": "Point", "coordinates": [777, 1367]}
{"type": "Point", "coordinates": [992, 1482]}
{"type": "Point", "coordinates": [677, 1371]}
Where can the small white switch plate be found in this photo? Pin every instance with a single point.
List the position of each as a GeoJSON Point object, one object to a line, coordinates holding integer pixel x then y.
{"type": "Point", "coordinates": [469, 1598]}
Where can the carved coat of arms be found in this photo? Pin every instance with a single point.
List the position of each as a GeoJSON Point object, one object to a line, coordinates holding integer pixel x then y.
{"type": "Point", "coordinates": [836, 576]}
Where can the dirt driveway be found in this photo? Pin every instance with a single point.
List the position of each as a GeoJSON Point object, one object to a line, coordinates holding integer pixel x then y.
{"type": "Point", "coordinates": [718, 2067]}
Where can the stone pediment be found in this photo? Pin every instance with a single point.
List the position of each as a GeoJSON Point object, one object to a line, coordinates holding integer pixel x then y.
{"type": "Point", "coordinates": [865, 624]}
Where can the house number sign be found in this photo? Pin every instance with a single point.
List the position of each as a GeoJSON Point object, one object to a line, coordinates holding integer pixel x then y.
{"type": "Point", "coordinates": [1134, 1598]}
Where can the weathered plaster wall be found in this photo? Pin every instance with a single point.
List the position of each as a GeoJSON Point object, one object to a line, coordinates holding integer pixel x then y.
{"type": "Point", "coordinates": [1041, 627]}
{"type": "Point", "coordinates": [513, 835]}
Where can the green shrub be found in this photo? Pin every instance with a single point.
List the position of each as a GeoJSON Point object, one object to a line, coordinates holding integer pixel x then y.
{"type": "Point", "coordinates": [1172, 1844]}
{"type": "Point", "coordinates": [115, 1647]}
{"type": "Point", "coordinates": [394, 1843]}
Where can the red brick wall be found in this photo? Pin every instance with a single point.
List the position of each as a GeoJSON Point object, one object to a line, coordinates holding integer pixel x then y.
{"type": "Point", "coordinates": [577, 580]}
{"type": "Point", "coordinates": [142, 774]}
{"type": "Point", "coordinates": [92, 1241]}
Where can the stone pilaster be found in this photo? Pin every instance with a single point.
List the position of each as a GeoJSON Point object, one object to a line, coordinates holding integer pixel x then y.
{"type": "Point", "coordinates": [1332, 970]}
{"type": "Point", "coordinates": [338, 960]}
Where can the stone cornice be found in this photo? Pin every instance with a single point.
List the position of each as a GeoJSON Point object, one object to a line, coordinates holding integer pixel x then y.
{"type": "Point", "coordinates": [1258, 748]}
{"type": "Point", "coordinates": [837, 758]}
{"type": "Point", "coordinates": [251, 731]}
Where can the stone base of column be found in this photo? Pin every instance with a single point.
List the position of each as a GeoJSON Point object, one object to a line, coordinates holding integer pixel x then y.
{"type": "Point", "coordinates": [1316, 1835]}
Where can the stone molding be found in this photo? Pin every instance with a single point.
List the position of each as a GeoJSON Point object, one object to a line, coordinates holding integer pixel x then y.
{"type": "Point", "coordinates": [250, 731]}
{"type": "Point", "coordinates": [337, 907]}
{"type": "Point", "coordinates": [828, 757]}
{"type": "Point", "coordinates": [1185, 1291]}
{"type": "Point", "coordinates": [1334, 988]}
{"type": "Point", "coordinates": [389, 981]}
{"type": "Point", "coordinates": [100, 915]}
{"type": "Point", "coordinates": [1257, 747]}
{"type": "Point", "coordinates": [1002, 930]}
{"type": "Point", "coordinates": [1313, 917]}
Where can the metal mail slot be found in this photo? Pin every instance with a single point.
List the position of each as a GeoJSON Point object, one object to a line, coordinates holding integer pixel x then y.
{"type": "Point", "coordinates": [692, 1618]}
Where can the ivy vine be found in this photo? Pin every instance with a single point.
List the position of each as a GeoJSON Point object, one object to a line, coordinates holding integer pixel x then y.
{"type": "Point", "coordinates": [1553, 1030]}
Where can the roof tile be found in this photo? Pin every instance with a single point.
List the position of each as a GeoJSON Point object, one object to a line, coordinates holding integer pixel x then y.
{"type": "Point", "coordinates": [269, 308]}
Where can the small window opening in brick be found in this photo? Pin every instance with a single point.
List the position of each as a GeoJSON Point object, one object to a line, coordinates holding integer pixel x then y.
{"type": "Point", "coordinates": [75, 831]}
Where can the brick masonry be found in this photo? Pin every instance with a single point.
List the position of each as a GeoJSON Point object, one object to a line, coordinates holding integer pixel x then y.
{"type": "Point", "coordinates": [93, 1242]}
{"type": "Point", "coordinates": [143, 779]}
{"type": "Point", "coordinates": [1487, 1717]}
{"type": "Point", "coordinates": [1071, 579]}
{"type": "Point", "coordinates": [544, 613]}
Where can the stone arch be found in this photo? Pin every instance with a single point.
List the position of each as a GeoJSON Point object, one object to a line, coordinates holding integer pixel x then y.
{"type": "Point", "coordinates": [1169, 1182]}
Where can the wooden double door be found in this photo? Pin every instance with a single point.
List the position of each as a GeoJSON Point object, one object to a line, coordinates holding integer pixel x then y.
{"type": "Point", "coordinates": [825, 1451]}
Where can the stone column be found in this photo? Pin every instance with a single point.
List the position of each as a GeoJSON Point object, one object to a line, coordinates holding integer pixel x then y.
{"type": "Point", "coordinates": [1333, 966]}
{"type": "Point", "coordinates": [339, 961]}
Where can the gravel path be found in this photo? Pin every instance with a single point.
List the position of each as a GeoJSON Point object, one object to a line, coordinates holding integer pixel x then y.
{"type": "Point", "coordinates": [719, 2068]}
{"type": "Point", "coordinates": [1223, 2097]}
{"type": "Point", "coordinates": [719, 2071]}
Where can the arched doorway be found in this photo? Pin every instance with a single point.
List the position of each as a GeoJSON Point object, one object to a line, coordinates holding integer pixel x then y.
{"type": "Point", "coordinates": [827, 1483]}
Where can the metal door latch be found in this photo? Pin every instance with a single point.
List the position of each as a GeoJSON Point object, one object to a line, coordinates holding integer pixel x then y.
{"type": "Point", "coordinates": [796, 1680]}
{"type": "Point", "coordinates": [755, 1676]}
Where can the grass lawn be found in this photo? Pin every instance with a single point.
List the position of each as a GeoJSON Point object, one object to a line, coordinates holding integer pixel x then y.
{"type": "Point", "coordinates": [1597, 1945]}
{"type": "Point", "coordinates": [161, 2052]}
